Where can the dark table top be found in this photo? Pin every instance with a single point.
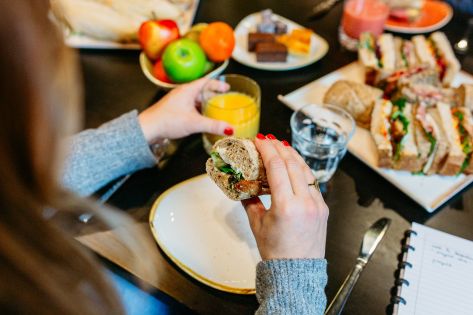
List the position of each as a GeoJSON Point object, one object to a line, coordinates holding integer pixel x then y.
{"type": "Point", "coordinates": [357, 196]}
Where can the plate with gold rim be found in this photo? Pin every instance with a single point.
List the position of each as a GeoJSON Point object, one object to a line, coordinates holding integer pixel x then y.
{"type": "Point", "coordinates": [206, 235]}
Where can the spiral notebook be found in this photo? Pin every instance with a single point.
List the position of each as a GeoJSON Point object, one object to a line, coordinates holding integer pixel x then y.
{"type": "Point", "coordinates": [436, 274]}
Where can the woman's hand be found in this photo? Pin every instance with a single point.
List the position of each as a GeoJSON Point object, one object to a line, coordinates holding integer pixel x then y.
{"type": "Point", "coordinates": [295, 226]}
{"type": "Point", "coordinates": [176, 115]}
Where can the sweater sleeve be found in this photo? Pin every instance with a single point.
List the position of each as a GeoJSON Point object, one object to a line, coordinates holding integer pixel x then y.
{"type": "Point", "coordinates": [98, 156]}
{"type": "Point", "coordinates": [291, 286]}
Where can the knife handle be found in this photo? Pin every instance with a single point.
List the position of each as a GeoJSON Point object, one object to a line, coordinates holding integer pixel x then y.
{"type": "Point", "coordinates": [338, 302]}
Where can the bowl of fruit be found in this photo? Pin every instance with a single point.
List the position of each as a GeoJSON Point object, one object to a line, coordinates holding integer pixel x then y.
{"type": "Point", "coordinates": [169, 59]}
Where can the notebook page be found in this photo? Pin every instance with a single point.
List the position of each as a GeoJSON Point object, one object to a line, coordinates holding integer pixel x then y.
{"type": "Point", "coordinates": [441, 277]}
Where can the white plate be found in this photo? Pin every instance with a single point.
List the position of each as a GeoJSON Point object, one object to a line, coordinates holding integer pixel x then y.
{"type": "Point", "coordinates": [83, 41]}
{"type": "Point", "coordinates": [429, 191]}
{"type": "Point", "coordinates": [147, 68]}
{"type": "Point", "coordinates": [207, 235]}
{"type": "Point", "coordinates": [318, 49]}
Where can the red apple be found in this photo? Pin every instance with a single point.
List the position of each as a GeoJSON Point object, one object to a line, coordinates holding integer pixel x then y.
{"type": "Point", "coordinates": [160, 73]}
{"type": "Point", "coordinates": [154, 35]}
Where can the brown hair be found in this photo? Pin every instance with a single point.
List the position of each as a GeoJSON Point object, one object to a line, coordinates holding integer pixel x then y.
{"type": "Point", "coordinates": [42, 268]}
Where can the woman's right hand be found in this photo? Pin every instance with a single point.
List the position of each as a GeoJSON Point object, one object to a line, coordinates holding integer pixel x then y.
{"type": "Point", "coordinates": [295, 226]}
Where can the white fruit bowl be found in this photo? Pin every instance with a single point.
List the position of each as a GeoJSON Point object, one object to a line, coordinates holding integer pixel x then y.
{"type": "Point", "coordinates": [147, 68]}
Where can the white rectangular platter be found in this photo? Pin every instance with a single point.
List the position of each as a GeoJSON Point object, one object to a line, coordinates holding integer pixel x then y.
{"type": "Point", "coordinates": [428, 191]}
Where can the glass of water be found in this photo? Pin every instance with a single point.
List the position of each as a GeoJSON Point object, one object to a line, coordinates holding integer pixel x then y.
{"type": "Point", "coordinates": [320, 134]}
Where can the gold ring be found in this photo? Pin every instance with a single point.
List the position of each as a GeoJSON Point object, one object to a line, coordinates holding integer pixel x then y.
{"type": "Point", "coordinates": [315, 184]}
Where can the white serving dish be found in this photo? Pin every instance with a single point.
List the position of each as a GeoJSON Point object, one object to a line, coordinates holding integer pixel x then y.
{"type": "Point", "coordinates": [428, 191]}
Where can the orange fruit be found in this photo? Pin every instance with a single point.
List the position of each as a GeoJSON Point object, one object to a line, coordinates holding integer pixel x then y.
{"type": "Point", "coordinates": [218, 41]}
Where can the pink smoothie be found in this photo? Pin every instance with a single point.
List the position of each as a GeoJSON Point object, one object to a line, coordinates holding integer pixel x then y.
{"type": "Point", "coordinates": [364, 16]}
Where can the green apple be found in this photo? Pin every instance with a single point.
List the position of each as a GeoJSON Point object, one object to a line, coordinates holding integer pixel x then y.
{"type": "Point", "coordinates": [209, 66]}
{"type": "Point", "coordinates": [184, 60]}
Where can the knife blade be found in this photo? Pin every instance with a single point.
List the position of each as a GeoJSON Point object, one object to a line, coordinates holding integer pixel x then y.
{"type": "Point", "coordinates": [322, 8]}
{"type": "Point", "coordinates": [371, 239]}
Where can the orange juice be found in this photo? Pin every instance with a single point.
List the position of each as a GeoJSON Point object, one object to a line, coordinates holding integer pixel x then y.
{"type": "Point", "coordinates": [240, 110]}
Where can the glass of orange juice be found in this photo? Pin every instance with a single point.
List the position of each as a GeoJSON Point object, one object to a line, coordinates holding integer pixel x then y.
{"type": "Point", "coordinates": [239, 105]}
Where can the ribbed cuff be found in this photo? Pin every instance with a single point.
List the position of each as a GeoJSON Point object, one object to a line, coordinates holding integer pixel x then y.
{"type": "Point", "coordinates": [291, 286]}
{"type": "Point", "coordinates": [132, 133]}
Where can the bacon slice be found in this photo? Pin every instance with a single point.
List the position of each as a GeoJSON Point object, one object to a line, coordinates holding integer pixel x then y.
{"type": "Point", "coordinates": [252, 187]}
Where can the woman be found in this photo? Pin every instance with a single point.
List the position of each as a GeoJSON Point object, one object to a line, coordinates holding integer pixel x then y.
{"type": "Point", "coordinates": [43, 271]}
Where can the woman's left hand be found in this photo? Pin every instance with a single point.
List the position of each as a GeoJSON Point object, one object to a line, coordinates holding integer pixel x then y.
{"type": "Point", "coordinates": [176, 115]}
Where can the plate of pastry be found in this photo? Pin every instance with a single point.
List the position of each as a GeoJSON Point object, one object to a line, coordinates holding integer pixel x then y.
{"type": "Point", "coordinates": [97, 24]}
{"type": "Point", "coordinates": [413, 106]}
{"type": "Point", "coordinates": [268, 41]}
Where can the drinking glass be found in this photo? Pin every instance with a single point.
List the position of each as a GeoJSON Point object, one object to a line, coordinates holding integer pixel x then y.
{"type": "Point", "coordinates": [320, 134]}
{"type": "Point", "coordinates": [361, 16]}
{"type": "Point", "coordinates": [239, 106]}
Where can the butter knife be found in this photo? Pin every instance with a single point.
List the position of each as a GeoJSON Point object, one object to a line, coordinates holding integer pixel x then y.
{"type": "Point", "coordinates": [372, 238]}
{"type": "Point", "coordinates": [322, 8]}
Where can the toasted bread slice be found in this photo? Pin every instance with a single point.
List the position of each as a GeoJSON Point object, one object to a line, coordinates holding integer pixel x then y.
{"type": "Point", "coordinates": [467, 123]}
{"type": "Point", "coordinates": [455, 157]}
{"type": "Point", "coordinates": [441, 150]}
{"type": "Point", "coordinates": [408, 157]}
{"type": "Point", "coordinates": [465, 96]}
{"type": "Point", "coordinates": [380, 132]}
{"type": "Point", "coordinates": [422, 142]}
{"type": "Point", "coordinates": [445, 53]}
{"type": "Point", "coordinates": [388, 55]}
{"type": "Point", "coordinates": [423, 51]}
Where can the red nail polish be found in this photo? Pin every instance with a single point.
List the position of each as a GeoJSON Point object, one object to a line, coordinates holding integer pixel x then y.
{"type": "Point", "coordinates": [270, 136]}
{"type": "Point", "coordinates": [260, 136]}
{"type": "Point", "coordinates": [285, 143]}
{"type": "Point", "coordinates": [228, 131]}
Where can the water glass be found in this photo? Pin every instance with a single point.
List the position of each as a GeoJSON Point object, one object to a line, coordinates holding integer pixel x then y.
{"type": "Point", "coordinates": [320, 134]}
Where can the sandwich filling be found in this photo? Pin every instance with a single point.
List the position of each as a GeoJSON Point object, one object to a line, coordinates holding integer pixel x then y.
{"type": "Point", "coordinates": [439, 58]}
{"type": "Point", "coordinates": [222, 166]}
{"type": "Point", "coordinates": [398, 127]}
{"type": "Point", "coordinates": [429, 131]}
{"type": "Point", "coordinates": [465, 139]}
{"type": "Point", "coordinates": [236, 179]}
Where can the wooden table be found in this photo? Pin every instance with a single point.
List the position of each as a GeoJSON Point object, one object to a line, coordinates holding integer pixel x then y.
{"type": "Point", "coordinates": [357, 196]}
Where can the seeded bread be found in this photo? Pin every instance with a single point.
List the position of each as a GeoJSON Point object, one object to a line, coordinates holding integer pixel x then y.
{"type": "Point", "coordinates": [242, 156]}
{"type": "Point", "coordinates": [357, 98]}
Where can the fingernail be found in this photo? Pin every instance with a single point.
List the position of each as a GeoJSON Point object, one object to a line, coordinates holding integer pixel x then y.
{"type": "Point", "coordinates": [228, 131]}
{"type": "Point", "coordinates": [260, 136]}
{"type": "Point", "coordinates": [270, 136]}
{"type": "Point", "coordinates": [285, 143]}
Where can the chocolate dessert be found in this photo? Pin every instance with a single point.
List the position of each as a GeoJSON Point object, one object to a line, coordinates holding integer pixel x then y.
{"type": "Point", "coordinates": [256, 38]}
{"type": "Point", "coordinates": [271, 52]}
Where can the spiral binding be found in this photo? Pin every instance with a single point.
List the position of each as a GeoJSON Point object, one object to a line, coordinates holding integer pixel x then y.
{"type": "Point", "coordinates": [396, 299]}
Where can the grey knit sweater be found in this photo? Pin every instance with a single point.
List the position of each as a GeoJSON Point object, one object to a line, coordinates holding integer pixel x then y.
{"type": "Point", "coordinates": [97, 156]}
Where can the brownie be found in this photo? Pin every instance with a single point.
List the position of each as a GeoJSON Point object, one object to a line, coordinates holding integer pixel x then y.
{"type": "Point", "coordinates": [255, 38]}
{"type": "Point", "coordinates": [271, 52]}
